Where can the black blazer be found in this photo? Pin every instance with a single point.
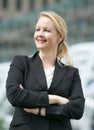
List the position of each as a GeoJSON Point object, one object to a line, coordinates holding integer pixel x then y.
{"type": "Point", "coordinates": [66, 82]}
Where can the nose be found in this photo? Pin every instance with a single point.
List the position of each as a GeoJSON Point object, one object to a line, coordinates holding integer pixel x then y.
{"type": "Point", "coordinates": [41, 33]}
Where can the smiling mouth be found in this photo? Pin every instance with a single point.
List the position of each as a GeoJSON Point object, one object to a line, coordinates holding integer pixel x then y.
{"type": "Point", "coordinates": [41, 40]}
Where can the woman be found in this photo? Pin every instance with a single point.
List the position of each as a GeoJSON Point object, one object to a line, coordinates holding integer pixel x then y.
{"type": "Point", "coordinates": [45, 92]}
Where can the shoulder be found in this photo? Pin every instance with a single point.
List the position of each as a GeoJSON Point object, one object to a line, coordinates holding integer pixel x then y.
{"type": "Point", "coordinates": [63, 65]}
{"type": "Point", "coordinates": [72, 70]}
{"type": "Point", "coordinates": [23, 59]}
{"type": "Point", "coordinates": [19, 61]}
{"type": "Point", "coordinates": [20, 58]}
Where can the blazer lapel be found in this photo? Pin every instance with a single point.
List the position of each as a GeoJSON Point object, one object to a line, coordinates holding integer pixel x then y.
{"type": "Point", "coordinates": [38, 71]}
{"type": "Point", "coordinates": [60, 71]}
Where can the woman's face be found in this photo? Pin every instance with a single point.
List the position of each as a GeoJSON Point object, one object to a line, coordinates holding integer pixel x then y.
{"type": "Point", "coordinates": [46, 36]}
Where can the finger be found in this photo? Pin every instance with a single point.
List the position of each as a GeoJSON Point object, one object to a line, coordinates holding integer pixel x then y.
{"type": "Point", "coordinates": [21, 86]}
{"type": "Point", "coordinates": [27, 110]}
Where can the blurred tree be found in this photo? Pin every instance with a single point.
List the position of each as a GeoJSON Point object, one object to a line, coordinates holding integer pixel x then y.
{"type": "Point", "coordinates": [2, 124]}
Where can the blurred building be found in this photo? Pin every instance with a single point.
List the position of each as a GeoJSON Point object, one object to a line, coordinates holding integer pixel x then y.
{"type": "Point", "coordinates": [17, 19]}
{"type": "Point", "coordinates": [12, 8]}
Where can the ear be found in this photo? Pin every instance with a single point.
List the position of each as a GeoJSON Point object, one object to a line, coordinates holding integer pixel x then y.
{"type": "Point", "coordinates": [60, 38]}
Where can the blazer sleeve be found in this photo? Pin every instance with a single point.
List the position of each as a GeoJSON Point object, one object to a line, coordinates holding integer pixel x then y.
{"type": "Point", "coordinates": [18, 97]}
{"type": "Point", "coordinates": [75, 107]}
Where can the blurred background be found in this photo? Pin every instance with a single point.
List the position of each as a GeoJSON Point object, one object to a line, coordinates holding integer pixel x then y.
{"type": "Point", "coordinates": [17, 21]}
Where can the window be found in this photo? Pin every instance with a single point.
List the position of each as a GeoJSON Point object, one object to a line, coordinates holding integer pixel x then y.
{"type": "Point", "coordinates": [4, 3]}
{"type": "Point", "coordinates": [57, 0]}
{"type": "Point", "coordinates": [18, 4]}
{"type": "Point", "coordinates": [31, 4]}
{"type": "Point", "coordinates": [45, 3]}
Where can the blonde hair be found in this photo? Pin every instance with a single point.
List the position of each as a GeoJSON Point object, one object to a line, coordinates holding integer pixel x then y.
{"type": "Point", "coordinates": [59, 23]}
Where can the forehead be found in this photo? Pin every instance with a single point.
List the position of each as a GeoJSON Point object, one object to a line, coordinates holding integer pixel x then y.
{"type": "Point", "coordinates": [44, 21]}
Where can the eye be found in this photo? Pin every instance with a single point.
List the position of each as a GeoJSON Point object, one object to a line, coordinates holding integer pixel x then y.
{"type": "Point", "coordinates": [47, 30]}
{"type": "Point", "coordinates": [37, 29]}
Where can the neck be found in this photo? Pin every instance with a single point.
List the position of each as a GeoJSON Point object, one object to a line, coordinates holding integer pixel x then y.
{"type": "Point", "coordinates": [48, 59]}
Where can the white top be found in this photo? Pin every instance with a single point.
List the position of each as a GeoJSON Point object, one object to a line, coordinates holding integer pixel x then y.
{"type": "Point", "coordinates": [49, 75]}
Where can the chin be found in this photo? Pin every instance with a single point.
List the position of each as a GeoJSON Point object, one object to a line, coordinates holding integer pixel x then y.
{"type": "Point", "coordinates": [40, 46]}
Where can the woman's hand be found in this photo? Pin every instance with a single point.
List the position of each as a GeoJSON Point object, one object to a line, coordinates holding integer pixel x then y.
{"type": "Point", "coordinates": [55, 99]}
{"type": "Point", "coordinates": [62, 100]}
{"type": "Point", "coordinates": [36, 111]}
{"type": "Point", "coordinates": [33, 110]}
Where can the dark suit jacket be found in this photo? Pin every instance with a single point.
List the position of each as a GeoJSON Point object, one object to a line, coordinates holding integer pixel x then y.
{"type": "Point", "coordinates": [66, 82]}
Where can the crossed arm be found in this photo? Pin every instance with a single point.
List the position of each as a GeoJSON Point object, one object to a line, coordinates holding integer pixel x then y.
{"type": "Point", "coordinates": [48, 105]}
{"type": "Point", "coordinates": [53, 99]}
